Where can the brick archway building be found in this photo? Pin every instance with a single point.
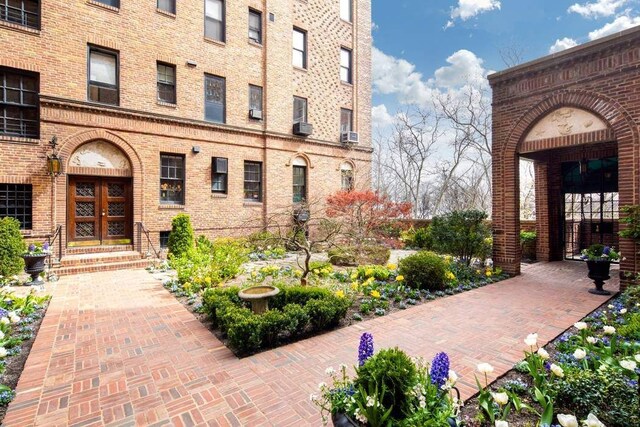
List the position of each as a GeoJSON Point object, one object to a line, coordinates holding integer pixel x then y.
{"type": "Point", "coordinates": [577, 108]}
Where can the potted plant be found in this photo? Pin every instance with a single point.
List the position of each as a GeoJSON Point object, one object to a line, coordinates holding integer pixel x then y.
{"type": "Point", "coordinates": [390, 388]}
{"type": "Point", "coordinates": [599, 258]}
{"type": "Point", "coordinates": [34, 263]}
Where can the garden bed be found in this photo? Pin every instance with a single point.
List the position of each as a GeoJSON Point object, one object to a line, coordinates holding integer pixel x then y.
{"type": "Point", "coordinates": [18, 339]}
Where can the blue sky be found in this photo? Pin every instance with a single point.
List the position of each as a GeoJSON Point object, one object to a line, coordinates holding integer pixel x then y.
{"type": "Point", "coordinates": [426, 45]}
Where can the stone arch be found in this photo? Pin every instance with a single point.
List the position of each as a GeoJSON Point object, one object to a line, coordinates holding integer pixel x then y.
{"type": "Point", "coordinates": [302, 155]}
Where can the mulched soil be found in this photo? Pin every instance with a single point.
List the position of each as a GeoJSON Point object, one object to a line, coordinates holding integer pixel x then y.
{"type": "Point", "coordinates": [15, 364]}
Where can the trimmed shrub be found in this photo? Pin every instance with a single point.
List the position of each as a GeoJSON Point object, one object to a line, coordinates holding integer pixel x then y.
{"type": "Point", "coordinates": [299, 319]}
{"type": "Point", "coordinates": [359, 255]}
{"type": "Point", "coordinates": [462, 234]}
{"type": "Point", "coordinates": [11, 247]}
{"type": "Point", "coordinates": [326, 313]}
{"type": "Point", "coordinates": [424, 270]}
{"type": "Point", "coordinates": [392, 371]}
{"type": "Point", "coordinates": [181, 238]}
{"type": "Point", "coordinates": [342, 257]}
{"type": "Point", "coordinates": [245, 333]}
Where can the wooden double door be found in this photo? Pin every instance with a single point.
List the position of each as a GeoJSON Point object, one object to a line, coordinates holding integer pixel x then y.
{"type": "Point", "coordinates": [99, 211]}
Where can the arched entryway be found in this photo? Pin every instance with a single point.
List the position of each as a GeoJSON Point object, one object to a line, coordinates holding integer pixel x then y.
{"type": "Point", "coordinates": [99, 196]}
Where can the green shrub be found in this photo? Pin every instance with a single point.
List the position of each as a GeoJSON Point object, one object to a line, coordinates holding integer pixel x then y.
{"type": "Point", "coordinates": [393, 371]}
{"type": "Point", "coordinates": [298, 319]}
{"type": "Point", "coordinates": [11, 247]}
{"type": "Point", "coordinates": [424, 270]}
{"type": "Point", "coordinates": [181, 238]}
{"type": "Point", "coordinates": [245, 333]}
{"type": "Point", "coordinates": [274, 323]}
{"type": "Point", "coordinates": [378, 272]}
{"type": "Point", "coordinates": [527, 236]}
{"type": "Point", "coordinates": [298, 295]}
{"type": "Point", "coordinates": [462, 234]}
{"type": "Point", "coordinates": [631, 329]}
{"type": "Point", "coordinates": [326, 313]}
{"type": "Point", "coordinates": [607, 394]}
{"type": "Point", "coordinates": [342, 256]}
{"type": "Point", "coordinates": [419, 238]}
{"type": "Point", "coordinates": [261, 240]}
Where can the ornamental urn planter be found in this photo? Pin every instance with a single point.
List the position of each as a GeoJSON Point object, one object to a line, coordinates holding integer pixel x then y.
{"type": "Point", "coordinates": [342, 420]}
{"type": "Point", "coordinates": [599, 272]}
{"type": "Point", "coordinates": [34, 265]}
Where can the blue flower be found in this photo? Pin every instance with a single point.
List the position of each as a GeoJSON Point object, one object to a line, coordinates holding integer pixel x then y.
{"type": "Point", "coordinates": [606, 250]}
{"type": "Point", "coordinates": [440, 369]}
{"type": "Point", "coordinates": [365, 350]}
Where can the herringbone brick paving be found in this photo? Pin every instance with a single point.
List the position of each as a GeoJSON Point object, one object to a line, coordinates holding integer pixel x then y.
{"type": "Point", "coordinates": [115, 348]}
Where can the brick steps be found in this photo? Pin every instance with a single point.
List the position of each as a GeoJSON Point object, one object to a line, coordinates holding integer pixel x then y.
{"type": "Point", "coordinates": [83, 250]}
{"type": "Point", "coordinates": [100, 261]}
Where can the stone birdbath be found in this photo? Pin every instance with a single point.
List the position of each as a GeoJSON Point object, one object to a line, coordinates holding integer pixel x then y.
{"type": "Point", "coordinates": [259, 297]}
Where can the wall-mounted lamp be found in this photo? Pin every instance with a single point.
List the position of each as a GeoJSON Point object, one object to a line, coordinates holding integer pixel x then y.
{"type": "Point", "coordinates": [195, 149]}
{"type": "Point", "coordinates": [54, 163]}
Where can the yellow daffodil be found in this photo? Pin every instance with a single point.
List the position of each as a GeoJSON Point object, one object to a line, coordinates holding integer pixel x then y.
{"type": "Point", "coordinates": [354, 276]}
{"type": "Point", "coordinates": [392, 266]}
{"type": "Point", "coordinates": [340, 294]}
{"type": "Point", "coordinates": [450, 276]}
{"type": "Point", "coordinates": [400, 278]}
{"type": "Point", "coordinates": [298, 273]}
{"type": "Point", "coordinates": [207, 280]}
{"type": "Point", "coordinates": [375, 294]}
{"type": "Point", "coordinates": [355, 285]}
{"type": "Point", "coordinates": [369, 272]}
{"type": "Point", "coordinates": [488, 273]}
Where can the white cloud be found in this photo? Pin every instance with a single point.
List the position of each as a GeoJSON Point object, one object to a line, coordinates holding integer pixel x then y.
{"type": "Point", "coordinates": [374, 26]}
{"type": "Point", "coordinates": [464, 67]}
{"type": "Point", "coordinates": [469, 8]}
{"type": "Point", "coordinates": [380, 116]}
{"type": "Point", "coordinates": [562, 44]}
{"type": "Point", "coordinates": [621, 23]}
{"type": "Point", "coordinates": [597, 9]}
{"type": "Point", "coordinates": [397, 76]}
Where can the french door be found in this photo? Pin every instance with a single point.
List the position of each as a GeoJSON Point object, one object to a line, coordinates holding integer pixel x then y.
{"type": "Point", "coordinates": [99, 211]}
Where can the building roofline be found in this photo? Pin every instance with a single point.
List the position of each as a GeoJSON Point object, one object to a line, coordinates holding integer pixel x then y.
{"type": "Point", "coordinates": [565, 55]}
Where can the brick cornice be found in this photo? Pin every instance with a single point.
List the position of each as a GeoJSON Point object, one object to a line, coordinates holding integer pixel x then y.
{"type": "Point", "coordinates": [112, 111]}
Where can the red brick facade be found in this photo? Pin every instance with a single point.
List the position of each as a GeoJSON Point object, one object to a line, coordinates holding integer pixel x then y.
{"type": "Point", "coordinates": [142, 128]}
{"type": "Point", "coordinates": [599, 79]}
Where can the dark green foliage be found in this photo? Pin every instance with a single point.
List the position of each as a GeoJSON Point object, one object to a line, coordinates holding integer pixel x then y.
{"type": "Point", "coordinates": [245, 332]}
{"type": "Point", "coordinates": [527, 236]}
{"type": "Point", "coordinates": [342, 256]}
{"type": "Point", "coordinates": [273, 323]}
{"type": "Point", "coordinates": [631, 329]}
{"type": "Point", "coordinates": [607, 394]}
{"type": "Point", "coordinates": [630, 217]}
{"type": "Point", "coordinates": [326, 313]}
{"type": "Point", "coordinates": [181, 238]}
{"type": "Point", "coordinates": [423, 238]}
{"type": "Point", "coordinates": [424, 270]}
{"type": "Point", "coordinates": [11, 247]}
{"type": "Point", "coordinates": [298, 295]}
{"type": "Point", "coordinates": [298, 319]}
{"type": "Point", "coordinates": [393, 371]}
{"type": "Point", "coordinates": [462, 234]}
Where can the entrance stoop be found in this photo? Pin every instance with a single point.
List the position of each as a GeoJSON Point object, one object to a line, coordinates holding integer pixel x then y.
{"type": "Point", "coordinates": [104, 260]}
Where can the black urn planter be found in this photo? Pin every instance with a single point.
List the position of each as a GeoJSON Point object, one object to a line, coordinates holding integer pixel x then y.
{"type": "Point", "coordinates": [599, 272]}
{"type": "Point", "coordinates": [342, 420]}
{"type": "Point", "coordinates": [34, 265]}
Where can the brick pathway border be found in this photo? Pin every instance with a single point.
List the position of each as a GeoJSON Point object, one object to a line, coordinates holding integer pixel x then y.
{"type": "Point", "coordinates": [115, 348]}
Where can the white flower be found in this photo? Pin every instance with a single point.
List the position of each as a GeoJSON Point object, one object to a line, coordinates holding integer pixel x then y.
{"type": "Point", "coordinates": [360, 417]}
{"type": "Point", "coordinates": [543, 353]}
{"type": "Point", "coordinates": [500, 398]}
{"type": "Point", "coordinates": [637, 357]}
{"type": "Point", "coordinates": [579, 354]}
{"type": "Point", "coordinates": [567, 420]}
{"type": "Point", "coordinates": [453, 377]}
{"type": "Point", "coordinates": [629, 364]}
{"type": "Point", "coordinates": [581, 325]}
{"type": "Point", "coordinates": [500, 423]}
{"type": "Point", "coordinates": [592, 340]}
{"type": "Point", "coordinates": [623, 311]}
{"type": "Point", "coordinates": [313, 397]}
{"type": "Point", "coordinates": [609, 330]}
{"type": "Point", "coordinates": [593, 421]}
{"type": "Point", "coordinates": [5, 321]}
{"type": "Point", "coordinates": [610, 306]}
{"type": "Point", "coordinates": [13, 317]}
{"type": "Point", "coordinates": [3, 352]}
{"type": "Point", "coordinates": [329, 371]}
{"type": "Point", "coordinates": [1, 335]}
{"type": "Point", "coordinates": [322, 385]}
{"type": "Point", "coordinates": [557, 370]}
{"type": "Point", "coordinates": [531, 340]}
{"type": "Point", "coordinates": [370, 401]}
{"type": "Point", "coordinates": [485, 368]}
{"type": "Point", "coordinates": [343, 367]}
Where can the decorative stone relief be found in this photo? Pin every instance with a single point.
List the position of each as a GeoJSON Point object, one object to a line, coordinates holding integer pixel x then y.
{"type": "Point", "coordinates": [565, 121]}
{"type": "Point", "coordinates": [99, 154]}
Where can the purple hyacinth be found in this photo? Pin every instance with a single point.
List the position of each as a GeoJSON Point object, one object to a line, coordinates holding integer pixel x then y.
{"type": "Point", "coordinates": [32, 247]}
{"type": "Point", "coordinates": [45, 246]}
{"type": "Point", "coordinates": [440, 369]}
{"type": "Point", "coordinates": [365, 350]}
{"type": "Point", "coordinates": [606, 250]}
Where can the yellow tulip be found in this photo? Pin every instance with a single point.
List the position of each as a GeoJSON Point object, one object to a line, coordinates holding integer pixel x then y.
{"type": "Point", "coordinates": [375, 294]}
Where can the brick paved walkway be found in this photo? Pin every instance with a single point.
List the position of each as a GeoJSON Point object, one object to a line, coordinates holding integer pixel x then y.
{"type": "Point", "coordinates": [116, 348]}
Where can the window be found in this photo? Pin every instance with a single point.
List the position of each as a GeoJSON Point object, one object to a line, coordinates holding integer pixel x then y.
{"type": "Point", "coordinates": [166, 83]}
{"type": "Point", "coordinates": [299, 48]}
{"type": "Point", "coordinates": [255, 26]}
{"type": "Point", "coordinates": [214, 98]}
{"type": "Point", "coordinates": [214, 20]}
{"type": "Point", "coordinates": [21, 12]}
{"type": "Point", "coordinates": [103, 76]}
{"type": "Point", "coordinates": [346, 11]}
{"type": "Point", "coordinates": [15, 202]}
{"type": "Point", "coordinates": [299, 110]}
{"type": "Point", "coordinates": [114, 3]}
{"type": "Point", "coordinates": [19, 112]}
{"type": "Point", "coordinates": [253, 181]}
{"type": "Point", "coordinates": [172, 179]}
{"type": "Point", "coordinates": [167, 6]}
{"type": "Point", "coordinates": [219, 175]}
{"type": "Point", "coordinates": [299, 183]}
{"type": "Point", "coordinates": [346, 172]}
{"type": "Point", "coordinates": [346, 120]}
{"type": "Point", "coordinates": [345, 66]}
{"type": "Point", "coordinates": [255, 98]}
{"type": "Point", "coordinates": [164, 239]}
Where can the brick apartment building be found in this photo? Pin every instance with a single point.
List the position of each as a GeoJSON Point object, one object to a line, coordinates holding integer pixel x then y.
{"type": "Point", "coordinates": [222, 109]}
{"type": "Point", "coordinates": [576, 115]}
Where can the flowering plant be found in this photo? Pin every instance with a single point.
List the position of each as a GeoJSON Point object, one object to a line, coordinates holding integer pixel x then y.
{"type": "Point", "coordinates": [599, 252]}
{"type": "Point", "coordinates": [35, 249]}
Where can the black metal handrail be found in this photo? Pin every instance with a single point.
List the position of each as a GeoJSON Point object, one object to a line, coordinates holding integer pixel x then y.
{"type": "Point", "coordinates": [51, 240]}
{"type": "Point", "coordinates": [142, 230]}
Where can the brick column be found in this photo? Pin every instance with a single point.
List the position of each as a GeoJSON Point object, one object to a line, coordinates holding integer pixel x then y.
{"type": "Point", "coordinates": [543, 247]}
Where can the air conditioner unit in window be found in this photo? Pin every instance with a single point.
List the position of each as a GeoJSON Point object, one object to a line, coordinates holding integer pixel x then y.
{"type": "Point", "coordinates": [255, 114]}
{"type": "Point", "coordinates": [220, 165]}
{"type": "Point", "coordinates": [302, 129]}
{"type": "Point", "coordinates": [349, 137]}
